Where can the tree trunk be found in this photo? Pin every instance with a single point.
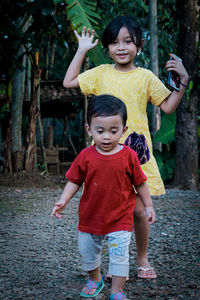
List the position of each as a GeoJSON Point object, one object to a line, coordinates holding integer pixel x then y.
{"type": "Point", "coordinates": [30, 138]}
{"type": "Point", "coordinates": [15, 102]}
{"type": "Point", "coordinates": [155, 111]}
{"type": "Point", "coordinates": [186, 171]}
{"type": "Point", "coordinates": [8, 142]}
{"type": "Point", "coordinates": [16, 113]}
{"type": "Point", "coordinates": [41, 133]}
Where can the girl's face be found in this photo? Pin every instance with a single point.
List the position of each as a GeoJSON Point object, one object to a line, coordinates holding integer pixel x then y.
{"type": "Point", "coordinates": [123, 51]}
{"type": "Point", "coordinates": [106, 132]}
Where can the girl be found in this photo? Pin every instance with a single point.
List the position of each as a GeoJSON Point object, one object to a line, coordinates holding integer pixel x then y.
{"type": "Point", "coordinates": [135, 86]}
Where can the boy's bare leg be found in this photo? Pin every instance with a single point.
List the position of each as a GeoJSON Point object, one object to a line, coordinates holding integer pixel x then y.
{"type": "Point", "coordinates": [117, 284]}
{"type": "Point", "coordinates": [141, 228]}
{"type": "Point", "coordinates": [94, 275]}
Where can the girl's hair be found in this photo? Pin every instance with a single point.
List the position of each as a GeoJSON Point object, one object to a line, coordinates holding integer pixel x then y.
{"type": "Point", "coordinates": [112, 30]}
{"type": "Point", "coordinates": [104, 106]}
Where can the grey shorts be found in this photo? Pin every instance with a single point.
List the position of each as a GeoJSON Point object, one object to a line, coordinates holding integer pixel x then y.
{"type": "Point", "coordinates": [90, 247]}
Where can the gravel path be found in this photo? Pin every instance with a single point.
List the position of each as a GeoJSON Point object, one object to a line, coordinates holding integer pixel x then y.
{"type": "Point", "coordinates": [39, 256]}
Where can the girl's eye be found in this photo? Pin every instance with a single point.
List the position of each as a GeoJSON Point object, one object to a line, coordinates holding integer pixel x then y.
{"type": "Point", "coordinates": [114, 132]}
{"type": "Point", "coordinates": [99, 131]}
{"type": "Point", "coordinates": [129, 41]}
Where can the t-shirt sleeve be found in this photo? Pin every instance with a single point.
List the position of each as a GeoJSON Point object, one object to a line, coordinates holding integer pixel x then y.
{"type": "Point", "coordinates": [76, 173]}
{"type": "Point", "coordinates": [158, 92]}
{"type": "Point", "coordinates": [88, 81]}
{"type": "Point", "coordinates": [138, 175]}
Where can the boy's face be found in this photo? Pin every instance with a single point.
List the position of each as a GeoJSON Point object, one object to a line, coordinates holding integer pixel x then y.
{"type": "Point", "coordinates": [106, 132]}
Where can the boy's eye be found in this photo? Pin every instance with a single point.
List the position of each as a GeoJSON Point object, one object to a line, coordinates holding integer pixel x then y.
{"type": "Point", "coordinates": [99, 131]}
{"type": "Point", "coordinates": [114, 131]}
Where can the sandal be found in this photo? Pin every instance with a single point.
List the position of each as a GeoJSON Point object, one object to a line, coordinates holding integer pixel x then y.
{"type": "Point", "coordinates": [118, 296]}
{"type": "Point", "coordinates": [146, 273]}
{"type": "Point", "coordinates": [93, 285]}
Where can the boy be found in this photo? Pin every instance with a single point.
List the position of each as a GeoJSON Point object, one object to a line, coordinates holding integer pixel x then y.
{"type": "Point", "coordinates": [109, 171]}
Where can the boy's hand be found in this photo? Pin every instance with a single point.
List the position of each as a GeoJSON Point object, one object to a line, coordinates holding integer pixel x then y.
{"type": "Point", "coordinates": [85, 40]}
{"type": "Point", "coordinates": [150, 213]}
{"type": "Point", "coordinates": [58, 208]}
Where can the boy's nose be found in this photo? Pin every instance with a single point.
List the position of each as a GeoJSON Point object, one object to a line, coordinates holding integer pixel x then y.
{"type": "Point", "coordinates": [106, 136]}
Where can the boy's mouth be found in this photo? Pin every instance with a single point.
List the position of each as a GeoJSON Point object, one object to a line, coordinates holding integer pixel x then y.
{"type": "Point", "coordinates": [106, 145]}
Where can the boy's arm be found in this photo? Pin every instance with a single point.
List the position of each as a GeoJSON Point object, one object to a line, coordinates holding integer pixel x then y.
{"type": "Point", "coordinates": [170, 103]}
{"type": "Point", "coordinates": [85, 43]}
{"type": "Point", "coordinates": [144, 194]}
{"type": "Point", "coordinates": [68, 192]}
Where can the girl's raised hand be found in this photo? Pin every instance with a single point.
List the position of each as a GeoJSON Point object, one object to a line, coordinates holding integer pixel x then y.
{"type": "Point", "coordinates": [85, 40]}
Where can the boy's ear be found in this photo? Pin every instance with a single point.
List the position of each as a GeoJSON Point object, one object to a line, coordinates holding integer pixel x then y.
{"type": "Point", "coordinates": [124, 130]}
{"type": "Point", "coordinates": [87, 127]}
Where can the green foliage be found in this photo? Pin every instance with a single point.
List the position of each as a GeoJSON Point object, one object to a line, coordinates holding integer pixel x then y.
{"type": "Point", "coordinates": [3, 112]}
{"type": "Point", "coordinates": [166, 133]}
{"type": "Point", "coordinates": [168, 30]}
{"type": "Point", "coordinates": [31, 24]}
{"type": "Point", "coordinates": [41, 168]}
{"type": "Point", "coordinates": [166, 164]}
{"type": "Point", "coordinates": [82, 12]}
{"type": "Point", "coordinates": [189, 89]}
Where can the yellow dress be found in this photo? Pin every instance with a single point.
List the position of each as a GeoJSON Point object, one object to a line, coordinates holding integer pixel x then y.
{"type": "Point", "coordinates": [135, 88]}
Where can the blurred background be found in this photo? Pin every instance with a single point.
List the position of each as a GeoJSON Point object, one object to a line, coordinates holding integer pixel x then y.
{"type": "Point", "coordinates": [42, 123]}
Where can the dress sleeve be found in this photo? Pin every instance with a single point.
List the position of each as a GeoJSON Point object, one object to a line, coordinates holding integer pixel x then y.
{"type": "Point", "coordinates": [158, 92]}
{"type": "Point", "coordinates": [88, 81]}
{"type": "Point", "coordinates": [76, 173]}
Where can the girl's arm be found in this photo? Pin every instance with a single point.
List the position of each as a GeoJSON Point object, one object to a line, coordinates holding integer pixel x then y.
{"type": "Point", "coordinates": [85, 43]}
{"type": "Point", "coordinates": [68, 192]}
{"type": "Point", "coordinates": [170, 103]}
{"type": "Point", "coordinates": [144, 194]}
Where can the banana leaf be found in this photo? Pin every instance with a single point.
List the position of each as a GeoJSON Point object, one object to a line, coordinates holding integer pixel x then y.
{"type": "Point", "coordinates": [166, 133]}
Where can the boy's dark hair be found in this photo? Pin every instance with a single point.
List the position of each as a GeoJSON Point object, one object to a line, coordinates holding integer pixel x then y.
{"type": "Point", "coordinates": [112, 30]}
{"type": "Point", "coordinates": [104, 106]}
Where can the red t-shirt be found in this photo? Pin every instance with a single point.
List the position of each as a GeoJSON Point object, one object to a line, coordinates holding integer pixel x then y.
{"type": "Point", "coordinates": [108, 198]}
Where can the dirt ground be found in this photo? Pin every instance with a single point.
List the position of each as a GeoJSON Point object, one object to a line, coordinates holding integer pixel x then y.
{"type": "Point", "coordinates": [39, 257]}
{"type": "Point", "coordinates": [31, 180]}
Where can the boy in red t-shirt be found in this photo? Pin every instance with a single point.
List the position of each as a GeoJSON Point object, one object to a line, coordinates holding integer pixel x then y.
{"type": "Point", "coordinates": [109, 171]}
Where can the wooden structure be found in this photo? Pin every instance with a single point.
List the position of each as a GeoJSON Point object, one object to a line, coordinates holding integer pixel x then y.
{"type": "Point", "coordinates": [59, 103]}
{"type": "Point", "coordinates": [53, 159]}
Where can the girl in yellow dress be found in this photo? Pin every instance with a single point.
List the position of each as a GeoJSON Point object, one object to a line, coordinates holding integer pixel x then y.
{"type": "Point", "coordinates": [135, 86]}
